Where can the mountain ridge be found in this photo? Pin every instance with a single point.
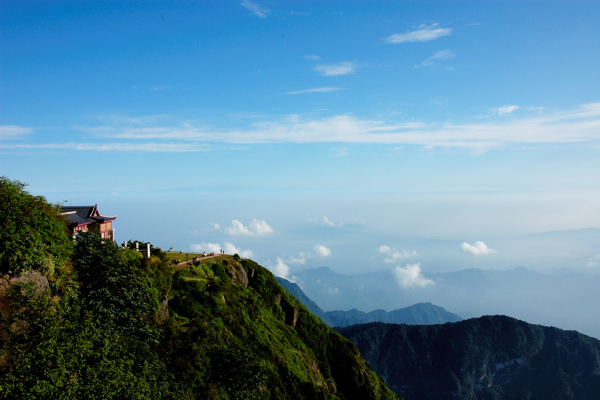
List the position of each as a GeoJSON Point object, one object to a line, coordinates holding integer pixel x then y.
{"type": "Point", "coordinates": [567, 300]}
{"type": "Point", "coordinates": [421, 313]}
{"type": "Point", "coordinates": [490, 357]}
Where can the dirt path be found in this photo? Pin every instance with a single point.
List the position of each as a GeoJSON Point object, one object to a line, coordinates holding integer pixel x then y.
{"type": "Point", "coordinates": [185, 264]}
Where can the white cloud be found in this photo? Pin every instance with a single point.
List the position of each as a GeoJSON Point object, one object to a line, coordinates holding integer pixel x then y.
{"type": "Point", "coordinates": [312, 57]}
{"type": "Point", "coordinates": [478, 248]}
{"type": "Point", "coordinates": [324, 89]}
{"type": "Point", "coordinates": [325, 222]}
{"type": "Point", "coordinates": [440, 55]}
{"type": "Point", "coordinates": [322, 251]}
{"type": "Point", "coordinates": [411, 276]}
{"type": "Point", "coordinates": [166, 87]}
{"type": "Point", "coordinates": [424, 34]}
{"type": "Point", "coordinates": [215, 225]}
{"type": "Point", "coordinates": [332, 290]}
{"type": "Point", "coordinates": [216, 247]}
{"type": "Point", "coordinates": [281, 269]}
{"type": "Point", "coordinates": [297, 281]}
{"type": "Point", "coordinates": [255, 228]}
{"type": "Point", "coordinates": [385, 249]}
{"type": "Point", "coordinates": [255, 8]}
{"type": "Point", "coordinates": [13, 131]}
{"type": "Point", "coordinates": [207, 247]}
{"type": "Point", "coordinates": [237, 228]}
{"type": "Point", "coordinates": [505, 110]}
{"type": "Point", "coordinates": [296, 260]}
{"type": "Point", "coordinates": [260, 227]}
{"type": "Point", "coordinates": [342, 68]}
{"type": "Point", "coordinates": [594, 261]}
{"type": "Point", "coordinates": [231, 249]}
{"type": "Point", "coordinates": [396, 256]}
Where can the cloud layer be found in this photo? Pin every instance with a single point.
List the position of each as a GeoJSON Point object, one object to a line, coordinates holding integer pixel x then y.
{"type": "Point", "coordinates": [126, 147]}
{"type": "Point", "coordinates": [13, 131]}
{"type": "Point", "coordinates": [577, 125]}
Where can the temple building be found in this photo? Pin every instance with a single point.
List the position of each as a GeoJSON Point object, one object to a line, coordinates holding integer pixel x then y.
{"type": "Point", "coordinates": [88, 218]}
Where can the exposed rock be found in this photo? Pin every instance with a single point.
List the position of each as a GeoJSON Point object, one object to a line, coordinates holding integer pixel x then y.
{"type": "Point", "coordinates": [243, 276]}
{"type": "Point", "coordinates": [163, 312]}
{"type": "Point", "coordinates": [291, 316]}
{"type": "Point", "coordinates": [278, 299]}
{"type": "Point", "coordinates": [223, 298]}
{"type": "Point", "coordinates": [314, 368]}
{"type": "Point", "coordinates": [40, 285]}
{"type": "Point", "coordinates": [238, 275]}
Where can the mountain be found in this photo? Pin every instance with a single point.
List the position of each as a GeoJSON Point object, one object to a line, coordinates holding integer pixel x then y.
{"type": "Point", "coordinates": [491, 357]}
{"type": "Point", "coordinates": [568, 299]}
{"type": "Point", "coordinates": [422, 313]}
{"type": "Point", "coordinates": [227, 331]}
{"type": "Point", "coordinates": [418, 314]}
{"type": "Point", "coordinates": [87, 319]}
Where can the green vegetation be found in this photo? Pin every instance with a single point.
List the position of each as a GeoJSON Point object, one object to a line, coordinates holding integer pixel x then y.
{"type": "Point", "coordinates": [94, 321]}
{"type": "Point", "coordinates": [32, 232]}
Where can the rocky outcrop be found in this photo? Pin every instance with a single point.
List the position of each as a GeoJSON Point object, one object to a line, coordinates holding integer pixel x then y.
{"type": "Point", "coordinates": [39, 281]}
{"type": "Point", "coordinates": [163, 311]}
{"type": "Point", "coordinates": [40, 285]}
{"type": "Point", "coordinates": [291, 316]}
{"type": "Point", "coordinates": [238, 274]}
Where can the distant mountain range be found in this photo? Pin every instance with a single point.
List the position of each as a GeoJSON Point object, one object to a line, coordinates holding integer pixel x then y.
{"type": "Point", "coordinates": [567, 299]}
{"type": "Point", "coordinates": [486, 358]}
{"type": "Point", "coordinates": [422, 313]}
{"type": "Point", "coordinates": [417, 314]}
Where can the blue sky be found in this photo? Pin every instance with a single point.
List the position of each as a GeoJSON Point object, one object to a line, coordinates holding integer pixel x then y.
{"type": "Point", "coordinates": [269, 125]}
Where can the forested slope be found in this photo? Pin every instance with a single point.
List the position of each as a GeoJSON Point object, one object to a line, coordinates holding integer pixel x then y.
{"type": "Point", "coordinates": [491, 357]}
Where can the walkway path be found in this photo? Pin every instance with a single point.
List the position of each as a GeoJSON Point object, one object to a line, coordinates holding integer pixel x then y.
{"type": "Point", "coordinates": [185, 264]}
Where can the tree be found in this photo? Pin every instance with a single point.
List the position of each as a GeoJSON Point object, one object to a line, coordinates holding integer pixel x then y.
{"type": "Point", "coordinates": [112, 285]}
{"type": "Point", "coordinates": [33, 233]}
